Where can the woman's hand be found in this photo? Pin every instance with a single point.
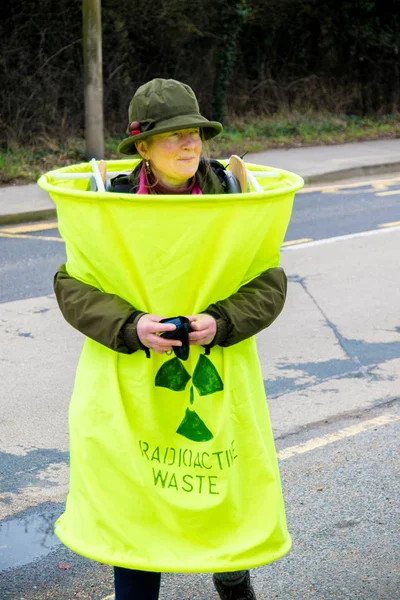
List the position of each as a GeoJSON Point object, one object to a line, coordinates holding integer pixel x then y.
{"type": "Point", "coordinates": [147, 328]}
{"type": "Point", "coordinates": [204, 329]}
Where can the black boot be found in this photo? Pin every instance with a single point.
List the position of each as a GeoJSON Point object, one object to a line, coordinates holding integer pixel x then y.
{"type": "Point", "coordinates": [240, 591]}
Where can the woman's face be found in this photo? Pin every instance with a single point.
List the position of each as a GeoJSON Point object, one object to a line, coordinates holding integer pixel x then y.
{"type": "Point", "coordinates": [174, 157]}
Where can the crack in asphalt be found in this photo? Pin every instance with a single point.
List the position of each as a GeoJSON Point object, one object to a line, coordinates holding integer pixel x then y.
{"type": "Point", "coordinates": [340, 338]}
{"type": "Point", "coordinates": [361, 360]}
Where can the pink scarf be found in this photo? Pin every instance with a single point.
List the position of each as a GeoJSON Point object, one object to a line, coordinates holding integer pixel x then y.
{"type": "Point", "coordinates": [193, 188]}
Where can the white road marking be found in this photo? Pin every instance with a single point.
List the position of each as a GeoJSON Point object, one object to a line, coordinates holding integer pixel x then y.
{"type": "Point", "coordinates": [293, 242]}
{"type": "Point", "coordinates": [377, 182]}
{"type": "Point", "coordinates": [379, 186]}
{"type": "Point", "coordinates": [23, 236]}
{"type": "Point", "coordinates": [389, 193]}
{"type": "Point", "coordinates": [330, 438]}
{"type": "Point", "coordinates": [392, 224]}
{"type": "Point", "coordinates": [29, 228]}
{"type": "Point", "coordinates": [340, 238]}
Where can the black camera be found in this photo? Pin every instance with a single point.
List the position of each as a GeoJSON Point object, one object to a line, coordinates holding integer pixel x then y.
{"type": "Point", "coordinates": [181, 333]}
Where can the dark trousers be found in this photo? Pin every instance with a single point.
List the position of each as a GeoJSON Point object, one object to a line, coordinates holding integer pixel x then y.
{"type": "Point", "coordinates": [145, 585]}
{"type": "Point", "coordinates": [136, 585]}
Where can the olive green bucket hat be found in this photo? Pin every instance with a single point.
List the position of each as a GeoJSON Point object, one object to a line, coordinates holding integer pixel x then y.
{"type": "Point", "coordinates": [163, 105]}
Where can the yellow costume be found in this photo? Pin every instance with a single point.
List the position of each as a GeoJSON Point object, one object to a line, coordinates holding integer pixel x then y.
{"type": "Point", "coordinates": [173, 463]}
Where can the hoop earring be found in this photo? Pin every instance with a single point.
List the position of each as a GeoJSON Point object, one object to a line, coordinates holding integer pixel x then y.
{"type": "Point", "coordinates": [147, 167]}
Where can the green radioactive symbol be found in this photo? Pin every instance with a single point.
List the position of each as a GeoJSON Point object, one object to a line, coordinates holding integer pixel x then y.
{"type": "Point", "coordinates": [193, 428]}
{"type": "Point", "coordinates": [206, 378]}
{"type": "Point", "coordinates": [173, 376]}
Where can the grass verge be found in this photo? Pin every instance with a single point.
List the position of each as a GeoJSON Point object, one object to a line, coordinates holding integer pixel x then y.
{"type": "Point", "coordinates": [251, 134]}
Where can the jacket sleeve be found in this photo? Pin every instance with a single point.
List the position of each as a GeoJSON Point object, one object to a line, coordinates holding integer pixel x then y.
{"type": "Point", "coordinates": [106, 318]}
{"type": "Point", "coordinates": [111, 320]}
{"type": "Point", "coordinates": [252, 308]}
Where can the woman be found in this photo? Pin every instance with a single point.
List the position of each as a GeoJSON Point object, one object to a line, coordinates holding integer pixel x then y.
{"type": "Point", "coordinates": [167, 132]}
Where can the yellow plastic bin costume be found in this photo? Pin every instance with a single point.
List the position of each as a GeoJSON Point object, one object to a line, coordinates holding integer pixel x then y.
{"type": "Point", "coordinates": [173, 463]}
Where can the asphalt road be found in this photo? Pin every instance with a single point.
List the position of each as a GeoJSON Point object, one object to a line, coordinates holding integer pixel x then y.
{"type": "Point", "coordinates": [334, 407]}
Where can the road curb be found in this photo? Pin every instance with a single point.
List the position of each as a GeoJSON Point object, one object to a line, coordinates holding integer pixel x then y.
{"type": "Point", "coordinates": [365, 170]}
{"type": "Point", "coordinates": [28, 216]}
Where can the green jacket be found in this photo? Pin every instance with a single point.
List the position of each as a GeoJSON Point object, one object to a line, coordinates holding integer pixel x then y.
{"type": "Point", "coordinates": [111, 320]}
